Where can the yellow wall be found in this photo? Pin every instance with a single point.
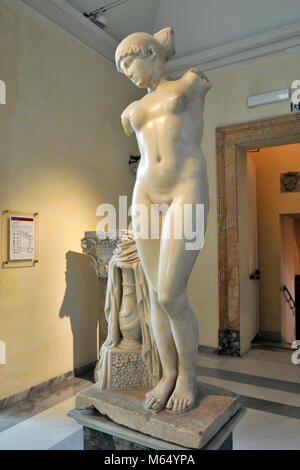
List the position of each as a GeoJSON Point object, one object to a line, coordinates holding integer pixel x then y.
{"type": "Point", "coordinates": [61, 148]}
{"type": "Point", "coordinates": [270, 162]}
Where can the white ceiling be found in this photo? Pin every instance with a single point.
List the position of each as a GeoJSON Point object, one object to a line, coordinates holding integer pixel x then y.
{"type": "Point", "coordinates": [203, 24]}
{"type": "Point", "coordinates": [210, 34]}
{"type": "Point", "coordinates": [198, 24]}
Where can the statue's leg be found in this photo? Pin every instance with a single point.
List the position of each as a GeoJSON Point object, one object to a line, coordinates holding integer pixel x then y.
{"type": "Point", "coordinates": [157, 398]}
{"type": "Point", "coordinates": [175, 265]}
{"type": "Point", "coordinates": [148, 250]}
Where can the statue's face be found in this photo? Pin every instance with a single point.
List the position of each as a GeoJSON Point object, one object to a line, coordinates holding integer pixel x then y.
{"type": "Point", "coordinates": [138, 69]}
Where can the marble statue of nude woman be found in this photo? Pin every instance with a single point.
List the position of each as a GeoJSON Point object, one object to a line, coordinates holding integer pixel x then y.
{"type": "Point", "coordinates": [168, 124]}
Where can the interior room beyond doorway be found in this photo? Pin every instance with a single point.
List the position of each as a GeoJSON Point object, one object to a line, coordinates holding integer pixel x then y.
{"type": "Point", "coordinates": [273, 175]}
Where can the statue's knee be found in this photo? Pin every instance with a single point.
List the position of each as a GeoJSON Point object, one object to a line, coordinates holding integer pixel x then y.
{"type": "Point", "coordinates": [164, 299]}
{"type": "Point", "coordinates": [172, 303]}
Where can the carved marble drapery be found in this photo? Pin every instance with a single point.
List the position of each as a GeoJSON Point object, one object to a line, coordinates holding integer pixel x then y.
{"type": "Point", "coordinates": [100, 247]}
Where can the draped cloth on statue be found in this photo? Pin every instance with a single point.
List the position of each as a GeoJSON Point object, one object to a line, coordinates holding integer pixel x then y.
{"type": "Point", "coordinates": [126, 256]}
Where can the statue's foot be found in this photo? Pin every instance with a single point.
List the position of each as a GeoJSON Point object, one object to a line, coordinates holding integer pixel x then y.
{"type": "Point", "coordinates": [184, 395]}
{"type": "Point", "coordinates": [157, 398]}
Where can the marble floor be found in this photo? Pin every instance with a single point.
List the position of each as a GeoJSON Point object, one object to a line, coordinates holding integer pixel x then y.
{"type": "Point", "coordinates": [267, 382]}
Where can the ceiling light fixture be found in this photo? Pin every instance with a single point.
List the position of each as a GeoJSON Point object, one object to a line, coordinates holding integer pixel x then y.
{"type": "Point", "coordinates": [97, 16]}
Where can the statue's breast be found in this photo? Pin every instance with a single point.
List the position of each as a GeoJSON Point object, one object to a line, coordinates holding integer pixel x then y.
{"type": "Point", "coordinates": [175, 103]}
{"type": "Point", "coordinates": [171, 104]}
{"type": "Point", "coordinates": [138, 118]}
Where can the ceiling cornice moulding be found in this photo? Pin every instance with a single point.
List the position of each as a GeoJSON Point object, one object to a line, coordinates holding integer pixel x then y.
{"type": "Point", "coordinates": [74, 24]}
{"type": "Point", "coordinates": [272, 43]}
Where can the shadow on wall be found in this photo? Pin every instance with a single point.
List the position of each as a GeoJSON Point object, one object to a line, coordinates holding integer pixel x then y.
{"type": "Point", "coordinates": [81, 305]}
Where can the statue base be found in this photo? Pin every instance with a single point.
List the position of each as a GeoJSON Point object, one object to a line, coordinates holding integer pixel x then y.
{"type": "Point", "coordinates": [191, 430]}
{"type": "Point", "coordinates": [126, 367]}
{"type": "Point", "coordinates": [100, 433]}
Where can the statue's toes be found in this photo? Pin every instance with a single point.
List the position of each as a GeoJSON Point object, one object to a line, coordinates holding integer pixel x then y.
{"type": "Point", "coordinates": [149, 401]}
{"type": "Point", "coordinates": [180, 407]}
{"type": "Point", "coordinates": [154, 403]}
{"type": "Point", "coordinates": [170, 403]}
{"type": "Point", "coordinates": [188, 405]}
{"type": "Point", "coordinates": [185, 405]}
{"type": "Point", "coordinates": [175, 406]}
{"type": "Point", "coordinates": [157, 405]}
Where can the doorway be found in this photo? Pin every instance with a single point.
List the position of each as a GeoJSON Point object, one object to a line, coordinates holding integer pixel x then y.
{"type": "Point", "coordinates": [239, 307]}
{"type": "Point", "coordinates": [275, 182]}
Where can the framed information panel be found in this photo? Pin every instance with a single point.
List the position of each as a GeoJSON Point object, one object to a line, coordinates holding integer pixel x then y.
{"type": "Point", "coordinates": [19, 239]}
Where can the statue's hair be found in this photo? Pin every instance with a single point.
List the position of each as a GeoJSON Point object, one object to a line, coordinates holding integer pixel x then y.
{"type": "Point", "coordinates": [143, 44]}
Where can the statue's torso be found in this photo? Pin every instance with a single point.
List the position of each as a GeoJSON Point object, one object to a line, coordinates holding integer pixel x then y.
{"type": "Point", "coordinates": [168, 124]}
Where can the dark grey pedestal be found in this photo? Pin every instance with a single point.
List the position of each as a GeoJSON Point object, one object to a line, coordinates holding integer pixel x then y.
{"type": "Point", "coordinates": [97, 440]}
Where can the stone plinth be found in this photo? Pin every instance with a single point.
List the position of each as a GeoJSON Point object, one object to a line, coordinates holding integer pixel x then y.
{"type": "Point", "coordinates": [100, 433]}
{"type": "Point", "coordinates": [194, 429]}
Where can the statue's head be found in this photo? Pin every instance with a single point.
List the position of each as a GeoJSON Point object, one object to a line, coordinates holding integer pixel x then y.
{"type": "Point", "coordinates": [141, 56]}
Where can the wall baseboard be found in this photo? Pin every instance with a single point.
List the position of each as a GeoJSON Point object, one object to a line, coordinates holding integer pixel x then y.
{"type": "Point", "coordinates": [269, 336]}
{"type": "Point", "coordinates": [208, 349]}
{"type": "Point", "coordinates": [25, 394]}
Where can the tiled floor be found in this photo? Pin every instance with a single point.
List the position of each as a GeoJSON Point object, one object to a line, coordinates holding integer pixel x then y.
{"type": "Point", "coordinates": [267, 382]}
{"type": "Point", "coordinates": [42, 422]}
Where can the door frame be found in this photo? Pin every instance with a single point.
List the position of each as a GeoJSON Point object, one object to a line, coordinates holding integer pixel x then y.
{"type": "Point", "coordinates": [232, 142]}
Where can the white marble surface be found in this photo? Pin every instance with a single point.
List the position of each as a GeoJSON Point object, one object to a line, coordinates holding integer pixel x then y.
{"type": "Point", "coordinates": [277, 396]}
{"type": "Point", "coordinates": [263, 363]}
{"type": "Point", "coordinates": [258, 430]}
{"type": "Point", "coordinates": [42, 431]}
